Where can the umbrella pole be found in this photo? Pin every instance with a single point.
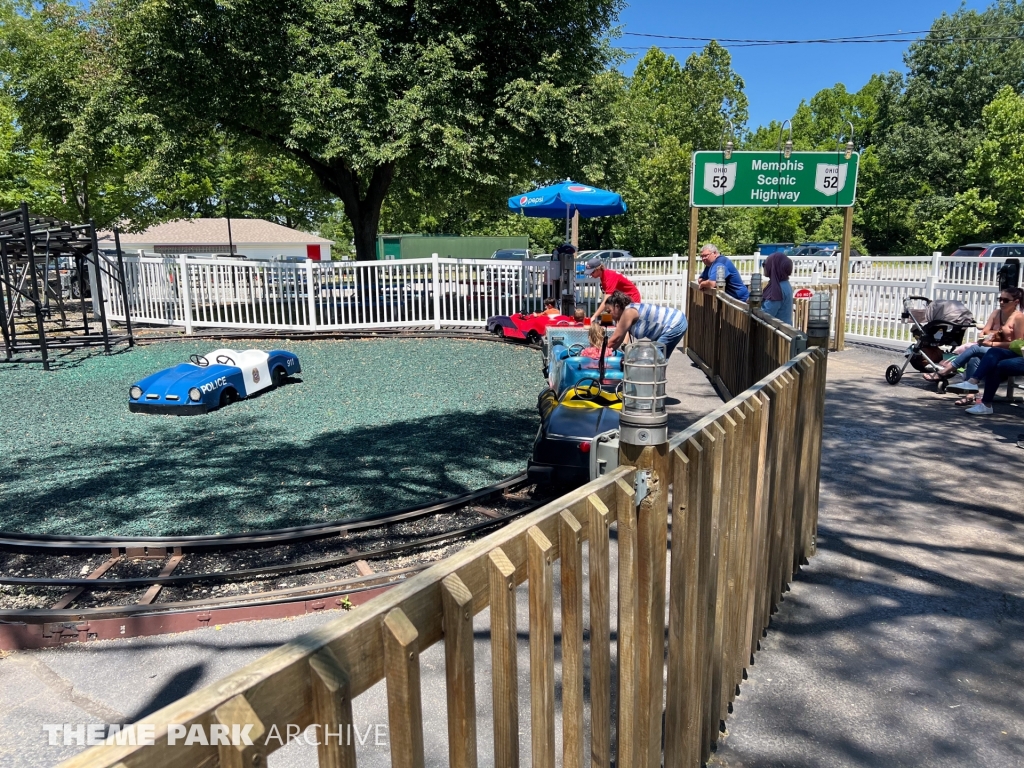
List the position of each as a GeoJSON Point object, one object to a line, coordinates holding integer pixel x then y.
{"type": "Point", "coordinates": [568, 264]}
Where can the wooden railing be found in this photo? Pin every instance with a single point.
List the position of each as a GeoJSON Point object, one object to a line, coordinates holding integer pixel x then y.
{"type": "Point", "coordinates": [734, 344]}
{"type": "Point", "coordinates": [743, 483]}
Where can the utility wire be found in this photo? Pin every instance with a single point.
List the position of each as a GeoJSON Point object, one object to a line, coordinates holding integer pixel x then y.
{"type": "Point", "coordinates": [936, 37]}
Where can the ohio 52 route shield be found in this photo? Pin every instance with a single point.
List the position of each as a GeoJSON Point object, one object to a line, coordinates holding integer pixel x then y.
{"type": "Point", "coordinates": [756, 179]}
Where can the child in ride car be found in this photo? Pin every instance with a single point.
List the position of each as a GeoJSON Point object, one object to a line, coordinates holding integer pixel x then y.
{"type": "Point", "coordinates": [596, 335]}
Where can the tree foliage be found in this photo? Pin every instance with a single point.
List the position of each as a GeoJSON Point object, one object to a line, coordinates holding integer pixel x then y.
{"type": "Point", "coordinates": [361, 91]}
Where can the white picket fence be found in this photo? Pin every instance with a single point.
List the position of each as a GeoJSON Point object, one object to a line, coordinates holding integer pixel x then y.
{"type": "Point", "coordinates": [193, 292]}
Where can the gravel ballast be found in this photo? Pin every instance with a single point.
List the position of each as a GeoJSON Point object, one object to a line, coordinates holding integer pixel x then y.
{"type": "Point", "coordinates": [369, 426]}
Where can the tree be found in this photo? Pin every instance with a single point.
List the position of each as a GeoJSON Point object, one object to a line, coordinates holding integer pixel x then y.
{"type": "Point", "coordinates": [992, 208]}
{"type": "Point", "coordinates": [668, 110]}
{"type": "Point", "coordinates": [77, 146]}
{"type": "Point", "coordinates": [56, 86]}
{"type": "Point", "coordinates": [929, 124]}
{"type": "Point", "coordinates": [361, 90]}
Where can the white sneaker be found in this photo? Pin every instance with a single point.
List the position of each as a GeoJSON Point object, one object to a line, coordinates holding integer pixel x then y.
{"type": "Point", "coordinates": [957, 379]}
{"type": "Point", "coordinates": [980, 409]}
{"type": "Point", "coordinates": [966, 386]}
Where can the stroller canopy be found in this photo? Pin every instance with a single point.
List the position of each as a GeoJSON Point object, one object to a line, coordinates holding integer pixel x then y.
{"type": "Point", "coordinates": [948, 311]}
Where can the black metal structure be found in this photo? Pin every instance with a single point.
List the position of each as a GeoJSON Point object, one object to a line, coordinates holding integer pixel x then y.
{"type": "Point", "coordinates": [41, 260]}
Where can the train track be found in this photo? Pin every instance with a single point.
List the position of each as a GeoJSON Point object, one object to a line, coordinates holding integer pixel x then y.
{"type": "Point", "coordinates": [55, 589]}
{"type": "Point", "coordinates": [468, 334]}
{"type": "Point", "coordinates": [65, 582]}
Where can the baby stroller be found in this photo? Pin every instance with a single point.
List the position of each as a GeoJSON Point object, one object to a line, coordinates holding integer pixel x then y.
{"type": "Point", "coordinates": [938, 328]}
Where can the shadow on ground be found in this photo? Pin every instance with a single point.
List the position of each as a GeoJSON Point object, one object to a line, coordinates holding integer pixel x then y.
{"type": "Point", "coordinates": [197, 480]}
{"type": "Point", "coordinates": [900, 643]}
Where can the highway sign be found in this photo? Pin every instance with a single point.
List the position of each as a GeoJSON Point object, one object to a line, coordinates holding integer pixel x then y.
{"type": "Point", "coordinates": [768, 179]}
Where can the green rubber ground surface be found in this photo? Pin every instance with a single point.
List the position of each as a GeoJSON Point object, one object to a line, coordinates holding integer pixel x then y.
{"type": "Point", "coordinates": [370, 426]}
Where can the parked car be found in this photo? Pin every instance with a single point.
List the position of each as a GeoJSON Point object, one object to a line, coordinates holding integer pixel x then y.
{"type": "Point", "coordinates": [62, 277]}
{"type": "Point", "coordinates": [584, 256]}
{"type": "Point", "coordinates": [617, 256]}
{"type": "Point", "coordinates": [970, 255]}
{"type": "Point", "coordinates": [855, 255]}
{"type": "Point", "coordinates": [211, 381]}
{"type": "Point", "coordinates": [511, 254]}
{"type": "Point", "coordinates": [767, 249]}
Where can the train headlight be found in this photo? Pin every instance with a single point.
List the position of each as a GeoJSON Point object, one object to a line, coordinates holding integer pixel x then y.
{"type": "Point", "coordinates": [135, 392]}
{"type": "Point", "coordinates": [195, 395]}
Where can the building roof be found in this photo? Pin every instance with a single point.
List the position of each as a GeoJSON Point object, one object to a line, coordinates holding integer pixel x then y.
{"type": "Point", "coordinates": [214, 231]}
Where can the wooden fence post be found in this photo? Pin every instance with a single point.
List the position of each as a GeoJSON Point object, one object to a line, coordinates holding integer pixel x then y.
{"type": "Point", "coordinates": [600, 633]}
{"type": "Point", "coordinates": [457, 604]}
{"type": "Point", "coordinates": [628, 656]}
{"type": "Point", "coordinates": [504, 669]}
{"type": "Point", "coordinates": [651, 558]}
{"type": "Point", "coordinates": [570, 546]}
{"type": "Point", "coordinates": [405, 703]}
{"type": "Point", "coordinates": [540, 554]}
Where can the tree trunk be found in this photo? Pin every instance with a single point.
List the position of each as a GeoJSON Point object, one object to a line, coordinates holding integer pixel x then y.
{"type": "Point", "coordinates": [362, 199]}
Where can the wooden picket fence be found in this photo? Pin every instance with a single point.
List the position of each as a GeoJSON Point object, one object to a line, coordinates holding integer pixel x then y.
{"type": "Point", "coordinates": [734, 344]}
{"type": "Point", "coordinates": [741, 488]}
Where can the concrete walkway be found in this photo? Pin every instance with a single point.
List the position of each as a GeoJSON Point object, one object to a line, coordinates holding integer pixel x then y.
{"type": "Point", "coordinates": [901, 643]}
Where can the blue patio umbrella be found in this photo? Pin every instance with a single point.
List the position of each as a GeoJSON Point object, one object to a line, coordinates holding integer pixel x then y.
{"type": "Point", "coordinates": [565, 199]}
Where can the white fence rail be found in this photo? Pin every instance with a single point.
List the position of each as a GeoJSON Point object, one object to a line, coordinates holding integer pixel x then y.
{"type": "Point", "coordinates": [193, 292]}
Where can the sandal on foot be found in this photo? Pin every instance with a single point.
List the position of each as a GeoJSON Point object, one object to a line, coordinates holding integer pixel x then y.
{"type": "Point", "coordinates": [965, 400]}
{"type": "Point", "coordinates": [937, 376]}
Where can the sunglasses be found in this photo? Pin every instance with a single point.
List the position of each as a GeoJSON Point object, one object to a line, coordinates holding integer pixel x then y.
{"type": "Point", "coordinates": [1006, 301]}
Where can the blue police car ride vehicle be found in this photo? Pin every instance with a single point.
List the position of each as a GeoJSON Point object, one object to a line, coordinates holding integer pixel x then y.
{"type": "Point", "coordinates": [210, 381]}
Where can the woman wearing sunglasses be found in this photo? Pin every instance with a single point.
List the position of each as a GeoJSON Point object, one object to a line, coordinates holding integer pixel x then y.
{"type": "Point", "coordinates": [1002, 358]}
{"type": "Point", "coordinates": [1004, 325]}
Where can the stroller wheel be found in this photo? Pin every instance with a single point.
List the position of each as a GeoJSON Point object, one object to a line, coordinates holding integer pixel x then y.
{"type": "Point", "coordinates": [893, 374]}
{"type": "Point", "coordinates": [941, 386]}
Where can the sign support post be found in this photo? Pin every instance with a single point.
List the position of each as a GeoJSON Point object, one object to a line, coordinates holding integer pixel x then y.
{"type": "Point", "coordinates": [691, 264]}
{"type": "Point", "coordinates": [844, 278]}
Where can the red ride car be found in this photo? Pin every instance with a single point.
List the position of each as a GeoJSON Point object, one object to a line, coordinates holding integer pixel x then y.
{"type": "Point", "coordinates": [524, 326]}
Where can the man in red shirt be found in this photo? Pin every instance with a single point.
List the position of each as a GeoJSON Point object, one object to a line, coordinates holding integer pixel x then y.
{"type": "Point", "coordinates": [611, 282]}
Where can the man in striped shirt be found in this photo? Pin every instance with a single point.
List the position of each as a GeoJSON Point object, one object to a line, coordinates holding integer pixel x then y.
{"type": "Point", "coordinates": [645, 321]}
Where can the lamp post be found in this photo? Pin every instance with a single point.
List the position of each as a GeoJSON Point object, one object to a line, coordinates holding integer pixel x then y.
{"type": "Point", "coordinates": [643, 537]}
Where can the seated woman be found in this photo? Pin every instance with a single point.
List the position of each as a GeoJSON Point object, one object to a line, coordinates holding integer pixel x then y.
{"type": "Point", "coordinates": [1003, 326]}
{"type": "Point", "coordinates": [997, 364]}
{"type": "Point", "coordinates": [596, 335]}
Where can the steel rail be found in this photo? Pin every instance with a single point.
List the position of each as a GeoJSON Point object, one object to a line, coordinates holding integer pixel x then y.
{"type": "Point", "coordinates": [270, 570]}
{"type": "Point", "coordinates": [325, 589]}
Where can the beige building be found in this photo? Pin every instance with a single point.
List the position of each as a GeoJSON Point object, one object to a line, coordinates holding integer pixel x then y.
{"type": "Point", "coordinates": [252, 238]}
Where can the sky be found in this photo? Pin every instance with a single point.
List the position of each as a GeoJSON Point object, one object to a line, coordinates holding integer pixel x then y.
{"type": "Point", "coordinates": [778, 77]}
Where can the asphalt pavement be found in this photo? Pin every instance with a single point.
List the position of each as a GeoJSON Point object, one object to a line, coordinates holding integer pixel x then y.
{"type": "Point", "coordinates": [900, 643]}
